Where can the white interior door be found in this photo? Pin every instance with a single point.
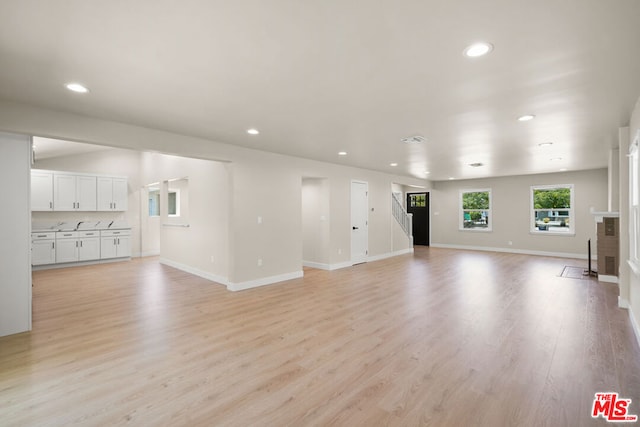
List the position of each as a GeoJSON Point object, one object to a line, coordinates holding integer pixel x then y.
{"type": "Point", "coordinates": [359, 221]}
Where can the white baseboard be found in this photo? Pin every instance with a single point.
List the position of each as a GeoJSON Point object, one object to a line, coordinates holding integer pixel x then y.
{"type": "Point", "coordinates": [607, 278]}
{"type": "Point", "coordinates": [264, 281]}
{"type": "Point", "coordinates": [78, 264]}
{"type": "Point", "coordinates": [331, 267]}
{"type": "Point", "coordinates": [318, 265]}
{"type": "Point", "coordinates": [390, 255]}
{"type": "Point", "coordinates": [623, 303]}
{"type": "Point", "coordinates": [634, 324]}
{"type": "Point", "coordinates": [196, 272]}
{"type": "Point", "coordinates": [146, 254]}
{"type": "Point", "coordinates": [514, 251]}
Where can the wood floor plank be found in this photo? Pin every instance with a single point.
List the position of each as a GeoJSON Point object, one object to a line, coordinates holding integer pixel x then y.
{"type": "Point", "coordinates": [437, 338]}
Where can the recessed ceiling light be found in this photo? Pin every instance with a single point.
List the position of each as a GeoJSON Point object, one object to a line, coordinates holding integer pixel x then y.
{"type": "Point", "coordinates": [563, 169]}
{"type": "Point", "coordinates": [426, 172]}
{"type": "Point", "coordinates": [393, 164]}
{"type": "Point", "coordinates": [555, 159]}
{"type": "Point", "coordinates": [253, 131]}
{"type": "Point", "coordinates": [76, 87]}
{"type": "Point", "coordinates": [342, 153]}
{"type": "Point", "coordinates": [526, 117]}
{"type": "Point", "coordinates": [478, 49]}
{"type": "Point", "coordinates": [416, 139]}
{"type": "Point", "coordinates": [451, 178]}
{"type": "Point", "coordinates": [545, 144]}
{"type": "Point", "coordinates": [476, 165]}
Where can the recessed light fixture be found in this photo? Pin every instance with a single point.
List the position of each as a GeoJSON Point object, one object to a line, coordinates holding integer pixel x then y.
{"type": "Point", "coordinates": [342, 153]}
{"type": "Point", "coordinates": [451, 178]}
{"type": "Point", "coordinates": [426, 172]}
{"type": "Point", "coordinates": [393, 164]}
{"type": "Point", "coordinates": [476, 165]}
{"type": "Point", "coordinates": [526, 117]}
{"type": "Point", "coordinates": [478, 49]}
{"type": "Point", "coordinates": [545, 144]}
{"type": "Point", "coordinates": [253, 131]}
{"type": "Point", "coordinates": [555, 159]}
{"type": "Point", "coordinates": [563, 170]}
{"type": "Point", "coordinates": [76, 87]}
{"type": "Point", "coordinates": [416, 139]}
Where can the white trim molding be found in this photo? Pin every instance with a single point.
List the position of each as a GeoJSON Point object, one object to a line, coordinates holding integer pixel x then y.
{"type": "Point", "coordinates": [634, 325]}
{"type": "Point", "coordinates": [389, 255]}
{"type": "Point", "coordinates": [196, 272]}
{"type": "Point", "coordinates": [513, 251]}
{"type": "Point", "coordinates": [607, 278]}
{"type": "Point", "coordinates": [264, 281]}
{"type": "Point", "coordinates": [372, 258]}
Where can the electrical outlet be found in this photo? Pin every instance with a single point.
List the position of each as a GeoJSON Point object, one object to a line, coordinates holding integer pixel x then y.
{"type": "Point", "coordinates": [259, 262]}
{"type": "Point", "coordinates": [510, 243]}
{"type": "Point", "coordinates": [212, 261]}
{"type": "Point", "coordinates": [339, 251]}
{"type": "Point", "coordinates": [259, 220]}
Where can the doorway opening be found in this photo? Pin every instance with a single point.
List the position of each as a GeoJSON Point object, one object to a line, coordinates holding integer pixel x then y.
{"type": "Point", "coordinates": [418, 205]}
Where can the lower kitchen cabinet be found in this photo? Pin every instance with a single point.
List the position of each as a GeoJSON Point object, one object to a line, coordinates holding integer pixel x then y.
{"type": "Point", "coordinates": [43, 248]}
{"type": "Point", "coordinates": [115, 244]}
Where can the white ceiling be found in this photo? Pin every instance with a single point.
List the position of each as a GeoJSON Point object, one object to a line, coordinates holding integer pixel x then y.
{"type": "Point", "coordinates": [318, 77]}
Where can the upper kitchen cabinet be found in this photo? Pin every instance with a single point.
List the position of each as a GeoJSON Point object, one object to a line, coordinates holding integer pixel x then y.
{"type": "Point", "coordinates": [74, 192]}
{"type": "Point", "coordinates": [41, 190]}
{"type": "Point", "coordinates": [112, 194]}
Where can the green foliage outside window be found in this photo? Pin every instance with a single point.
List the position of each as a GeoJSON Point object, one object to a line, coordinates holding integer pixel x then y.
{"type": "Point", "coordinates": [476, 200]}
{"type": "Point", "coordinates": [552, 199]}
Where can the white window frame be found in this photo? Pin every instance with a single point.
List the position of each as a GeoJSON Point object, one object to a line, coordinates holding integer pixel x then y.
{"type": "Point", "coordinates": [461, 226]}
{"type": "Point", "coordinates": [634, 204]}
{"type": "Point", "coordinates": [533, 228]}
{"type": "Point", "coordinates": [177, 193]}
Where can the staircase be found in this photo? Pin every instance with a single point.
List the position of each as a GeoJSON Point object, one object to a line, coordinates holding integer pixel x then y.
{"type": "Point", "coordinates": [400, 214]}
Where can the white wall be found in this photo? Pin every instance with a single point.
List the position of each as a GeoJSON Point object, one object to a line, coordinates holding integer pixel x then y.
{"type": "Point", "coordinates": [260, 184]}
{"type": "Point", "coordinates": [204, 208]}
{"type": "Point", "coordinates": [511, 213]}
{"type": "Point", "coordinates": [15, 244]}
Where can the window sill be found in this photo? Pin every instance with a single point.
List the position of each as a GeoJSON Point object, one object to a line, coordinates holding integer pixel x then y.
{"type": "Point", "coordinates": [552, 233]}
{"type": "Point", "coordinates": [476, 230]}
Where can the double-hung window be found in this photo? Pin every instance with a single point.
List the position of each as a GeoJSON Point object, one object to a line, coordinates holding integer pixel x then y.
{"type": "Point", "coordinates": [475, 210]}
{"type": "Point", "coordinates": [552, 209]}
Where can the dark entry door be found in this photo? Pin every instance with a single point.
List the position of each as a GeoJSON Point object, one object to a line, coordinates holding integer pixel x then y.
{"type": "Point", "coordinates": [418, 205]}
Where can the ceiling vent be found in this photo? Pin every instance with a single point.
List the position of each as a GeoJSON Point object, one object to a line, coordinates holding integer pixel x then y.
{"type": "Point", "coordinates": [417, 139]}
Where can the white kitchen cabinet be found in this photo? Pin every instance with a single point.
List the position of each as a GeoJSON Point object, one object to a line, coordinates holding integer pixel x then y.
{"type": "Point", "coordinates": [89, 245]}
{"type": "Point", "coordinates": [66, 246]}
{"type": "Point", "coordinates": [112, 194]}
{"type": "Point", "coordinates": [74, 192]}
{"type": "Point", "coordinates": [41, 190]}
{"type": "Point", "coordinates": [43, 248]}
{"type": "Point", "coordinates": [115, 244]}
{"type": "Point", "coordinates": [73, 246]}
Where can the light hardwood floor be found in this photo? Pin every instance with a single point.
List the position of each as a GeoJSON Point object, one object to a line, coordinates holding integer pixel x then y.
{"type": "Point", "coordinates": [440, 338]}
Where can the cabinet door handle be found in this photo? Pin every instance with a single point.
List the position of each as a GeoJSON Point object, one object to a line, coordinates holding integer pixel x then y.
{"type": "Point", "coordinates": [80, 243]}
{"type": "Point", "coordinates": [50, 205]}
{"type": "Point", "coordinates": [53, 245]}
